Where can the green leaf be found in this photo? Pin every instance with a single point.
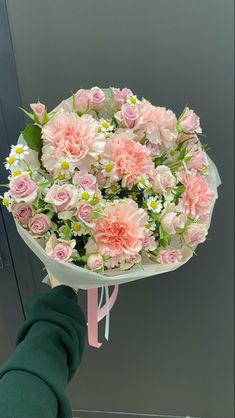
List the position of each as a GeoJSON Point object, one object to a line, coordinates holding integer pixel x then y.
{"type": "Point", "coordinates": [32, 137]}
{"type": "Point", "coordinates": [180, 190]}
{"type": "Point", "coordinates": [29, 114]}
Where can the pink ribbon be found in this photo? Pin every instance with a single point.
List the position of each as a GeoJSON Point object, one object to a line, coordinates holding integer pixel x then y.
{"type": "Point", "coordinates": [95, 313]}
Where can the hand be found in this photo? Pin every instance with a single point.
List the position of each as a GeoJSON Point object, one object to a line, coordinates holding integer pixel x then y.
{"type": "Point", "coordinates": [55, 282]}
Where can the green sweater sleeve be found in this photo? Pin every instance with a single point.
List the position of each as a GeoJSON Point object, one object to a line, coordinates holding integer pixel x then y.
{"type": "Point", "coordinates": [49, 348]}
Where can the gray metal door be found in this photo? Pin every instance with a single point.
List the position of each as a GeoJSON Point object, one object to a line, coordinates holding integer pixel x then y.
{"type": "Point", "coordinates": [170, 350]}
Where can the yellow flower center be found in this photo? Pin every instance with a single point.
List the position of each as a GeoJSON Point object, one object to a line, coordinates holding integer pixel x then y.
{"type": "Point", "coordinates": [105, 125]}
{"type": "Point", "coordinates": [142, 181]}
{"type": "Point", "coordinates": [19, 150]}
{"type": "Point", "coordinates": [172, 152]}
{"type": "Point", "coordinates": [76, 227]}
{"type": "Point", "coordinates": [64, 165]}
{"type": "Point", "coordinates": [108, 168]}
{"type": "Point", "coordinates": [11, 160]}
{"type": "Point", "coordinates": [153, 204]}
{"type": "Point", "coordinates": [96, 201]}
{"type": "Point", "coordinates": [85, 196]}
{"type": "Point", "coordinates": [147, 226]}
{"type": "Point", "coordinates": [133, 100]}
{"type": "Point", "coordinates": [65, 230]}
{"type": "Point", "coordinates": [5, 201]}
{"type": "Point", "coordinates": [148, 190]}
{"type": "Point", "coordinates": [61, 176]}
{"type": "Point", "coordinates": [113, 187]}
{"type": "Point", "coordinates": [17, 173]}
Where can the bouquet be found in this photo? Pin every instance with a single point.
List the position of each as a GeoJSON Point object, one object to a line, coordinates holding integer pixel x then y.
{"type": "Point", "coordinates": [107, 188]}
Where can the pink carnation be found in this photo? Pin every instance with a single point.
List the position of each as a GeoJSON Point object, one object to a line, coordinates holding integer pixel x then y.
{"type": "Point", "coordinates": [197, 197]}
{"type": "Point", "coordinates": [131, 160]}
{"type": "Point", "coordinates": [68, 135]}
{"type": "Point", "coordinates": [120, 232]}
{"type": "Point", "coordinates": [159, 124]}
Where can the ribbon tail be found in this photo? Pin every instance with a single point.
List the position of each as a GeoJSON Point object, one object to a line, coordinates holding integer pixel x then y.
{"type": "Point", "coordinates": [107, 317]}
{"type": "Point", "coordinates": [92, 313]}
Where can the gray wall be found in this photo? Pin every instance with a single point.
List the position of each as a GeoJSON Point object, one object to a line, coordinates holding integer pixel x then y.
{"type": "Point", "coordinates": [170, 350]}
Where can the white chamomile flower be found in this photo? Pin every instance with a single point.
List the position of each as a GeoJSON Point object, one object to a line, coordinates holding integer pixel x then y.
{"type": "Point", "coordinates": [7, 200]}
{"type": "Point", "coordinates": [150, 226]}
{"type": "Point", "coordinates": [106, 125]}
{"type": "Point", "coordinates": [11, 162]}
{"type": "Point", "coordinates": [144, 183]}
{"type": "Point", "coordinates": [145, 101]}
{"type": "Point", "coordinates": [19, 151]}
{"type": "Point", "coordinates": [14, 173]}
{"type": "Point", "coordinates": [112, 189]}
{"type": "Point", "coordinates": [107, 170]}
{"type": "Point", "coordinates": [133, 99]}
{"type": "Point", "coordinates": [173, 155]}
{"type": "Point", "coordinates": [154, 204]}
{"type": "Point", "coordinates": [86, 195]}
{"type": "Point", "coordinates": [65, 168]}
{"type": "Point", "coordinates": [64, 231]}
{"type": "Point", "coordinates": [77, 229]}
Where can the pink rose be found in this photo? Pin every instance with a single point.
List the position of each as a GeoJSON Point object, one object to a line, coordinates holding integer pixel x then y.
{"type": "Point", "coordinates": [199, 160]}
{"type": "Point", "coordinates": [129, 114]}
{"type": "Point", "coordinates": [82, 100]}
{"type": "Point", "coordinates": [120, 96]}
{"type": "Point", "coordinates": [194, 234]}
{"type": "Point", "coordinates": [97, 97]}
{"type": "Point", "coordinates": [163, 179]}
{"type": "Point", "coordinates": [39, 224]}
{"type": "Point", "coordinates": [149, 243]}
{"type": "Point", "coordinates": [84, 212]}
{"type": "Point", "coordinates": [22, 212]}
{"type": "Point", "coordinates": [60, 250]}
{"type": "Point", "coordinates": [197, 197]}
{"type": "Point", "coordinates": [154, 149]}
{"type": "Point", "coordinates": [23, 189]}
{"type": "Point", "coordinates": [169, 256]}
{"type": "Point", "coordinates": [189, 121]}
{"type": "Point", "coordinates": [95, 262]}
{"type": "Point", "coordinates": [62, 197]}
{"type": "Point", "coordinates": [173, 223]}
{"type": "Point", "coordinates": [101, 179]}
{"type": "Point", "coordinates": [84, 180]}
{"type": "Point", "coordinates": [39, 111]}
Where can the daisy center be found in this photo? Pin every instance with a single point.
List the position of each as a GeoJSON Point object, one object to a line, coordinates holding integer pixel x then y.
{"type": "Point", "coordinates": [19, 150]}
{"type": "Point", "coordinates": [85, 196]}
{"type": "Point", "coordinates": [108, 168]}
{"type": "Point", "coordinates": [64, 165]}
{"type": "Point", "coordinates": [11, 160]}
{"type": "Point", "coordinates": [76, 227]}
{"type": "Point", "coordinates": [153, 204]}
